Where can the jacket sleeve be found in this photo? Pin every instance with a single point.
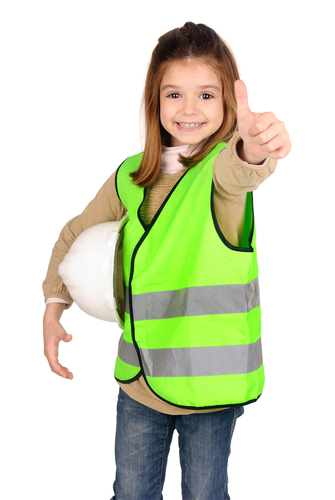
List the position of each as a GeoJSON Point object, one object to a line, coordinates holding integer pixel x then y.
{"type": "Point", "coordinates": [106, 206]}
{"type": "Point", "coordinates": [233, 178]}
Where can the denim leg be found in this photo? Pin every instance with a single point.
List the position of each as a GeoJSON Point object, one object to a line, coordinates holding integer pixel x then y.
{"type": "Point", "coordinates": [204, 447]}
{"type": "Point", "coordinates": [142, 444]}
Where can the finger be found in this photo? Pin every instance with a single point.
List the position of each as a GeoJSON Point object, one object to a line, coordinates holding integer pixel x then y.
{"type": "Point", "coordinates": [51, 353]}
{"type": "Point", "coordinates": [57, 368]}
{"type": "Point", "coordinates": [263, 122]}
{"type": "Point", "coordinates": [241, 95]}
{"type": "Point", "coordinates": [276, 143]}
{"type": "Point", "coordinates": [274, 130]}
{"type": "Point", "coordinates": [280, 153]}
{"type": "Point", "coordinates": [62, 371]}
{"type": "Point", "coordinates": [67, 337]}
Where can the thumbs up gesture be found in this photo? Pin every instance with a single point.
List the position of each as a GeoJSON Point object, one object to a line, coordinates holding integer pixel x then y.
{"type": "Point", "coordinates": [263, 135]}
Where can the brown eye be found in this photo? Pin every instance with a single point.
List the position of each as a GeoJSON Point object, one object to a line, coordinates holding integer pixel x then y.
{"type": "Point", "coordinates": [206, 96]}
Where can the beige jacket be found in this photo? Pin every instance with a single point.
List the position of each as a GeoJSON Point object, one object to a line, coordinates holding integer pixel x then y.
{"type": "Point", "coordinates": [232, 178]}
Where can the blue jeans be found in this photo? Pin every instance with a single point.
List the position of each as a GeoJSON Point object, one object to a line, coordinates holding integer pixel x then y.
{"type": "Point", "coordinates": [142, 444]}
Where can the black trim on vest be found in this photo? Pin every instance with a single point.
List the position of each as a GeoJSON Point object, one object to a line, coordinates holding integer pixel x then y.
{"type": "Point", "coordinates": [139, 210]}
{"type": "Point", "coordinates": [200, 407]}
{"type": "Point", "coordinates": [165, 202]}
{"type": "Point", "coordinates": [145, 234]}
{"type": "Point", "coordinates": [253, 220]}
{"type": "Point", "coordinates": [223, 406]}
{"type": "Point", "coordinates": [220, 233]}
{"type": "Point", "coordinates": [130, 380]}
{"type": "Point", "coordinates": [117, 171]}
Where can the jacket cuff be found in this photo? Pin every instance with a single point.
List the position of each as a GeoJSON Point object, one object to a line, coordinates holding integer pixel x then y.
{"type": "Point", "coordinates": [58, 297]}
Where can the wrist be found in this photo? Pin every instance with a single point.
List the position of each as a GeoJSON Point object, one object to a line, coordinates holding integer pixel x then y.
{"type": "Point", "coordinates": [53, 312]}
{"type": "Point", "coordinates": [245, 155]}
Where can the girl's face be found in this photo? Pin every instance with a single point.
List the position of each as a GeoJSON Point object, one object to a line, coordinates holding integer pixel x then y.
{"type": "Point", "coordinates": [191, 101]}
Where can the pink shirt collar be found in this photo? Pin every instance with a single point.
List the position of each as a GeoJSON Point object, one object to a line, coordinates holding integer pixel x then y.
{"type": "Point", "coordinates": [170, 155]}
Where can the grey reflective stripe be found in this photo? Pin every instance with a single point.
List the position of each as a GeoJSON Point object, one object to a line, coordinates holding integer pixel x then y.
{"type": "Point", "coordinates": [199, 361]}
{"type": "Point", "coordinates": [195, 301]}
{"type": "Point", "coordinates": [127, 352]}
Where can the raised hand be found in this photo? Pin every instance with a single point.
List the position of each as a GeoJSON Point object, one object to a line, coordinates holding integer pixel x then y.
{"type": "Point", "coordinates": [263, 135]}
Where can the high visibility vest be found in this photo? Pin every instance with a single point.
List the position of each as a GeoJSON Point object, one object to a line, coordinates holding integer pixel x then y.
{"type": "Point", "coordinates": [192, 314]}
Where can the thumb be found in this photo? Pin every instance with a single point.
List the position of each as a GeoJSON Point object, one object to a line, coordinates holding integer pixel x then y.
{"type": "Point", "coordinates": [241, 94]}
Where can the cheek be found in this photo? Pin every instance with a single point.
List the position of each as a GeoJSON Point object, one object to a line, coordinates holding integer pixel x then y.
{"type": "Point", "coordinates": [165, 116]}
{"type": "Point", "coordinates": [219, 115]}
{"type": "Point", "coordinates": [161, 108]}
{"type": "Point", "coordinates": [162, 116]}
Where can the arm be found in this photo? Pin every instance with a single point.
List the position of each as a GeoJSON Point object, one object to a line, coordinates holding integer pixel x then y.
{"type": "Point", "coordinates": [233, 178]}
{"type": "Point", "coordinates": [105, 207]}
{"type": "Point", "coordinates": [260, 137]}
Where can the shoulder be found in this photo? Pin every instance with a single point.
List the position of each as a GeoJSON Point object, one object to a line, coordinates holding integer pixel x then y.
{"type": "Point", "coordinates": [123, 180]}
{"type": "Point", "coordinates": [130, 164]}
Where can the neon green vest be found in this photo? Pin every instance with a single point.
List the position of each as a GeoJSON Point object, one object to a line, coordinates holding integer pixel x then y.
{"type": "Point", "coordinates": [192, 315]}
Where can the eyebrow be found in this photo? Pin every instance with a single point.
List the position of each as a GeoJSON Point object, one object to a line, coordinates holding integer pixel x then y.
{"type": "Point", "coordinates": [201, 87]}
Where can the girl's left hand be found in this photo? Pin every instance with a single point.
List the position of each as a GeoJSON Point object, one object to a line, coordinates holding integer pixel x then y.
{"type": "Point", "coordinates": [263, 135]}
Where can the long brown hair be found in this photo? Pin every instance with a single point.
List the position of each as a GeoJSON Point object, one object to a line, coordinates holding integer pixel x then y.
{"type": "Point", "coordinates": [192, 41]}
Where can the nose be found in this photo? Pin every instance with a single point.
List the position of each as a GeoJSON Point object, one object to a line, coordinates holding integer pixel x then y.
{"type": "Point", "coordinates": [189, 106]}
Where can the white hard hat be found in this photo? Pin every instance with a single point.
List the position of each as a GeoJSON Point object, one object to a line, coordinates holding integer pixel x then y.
{"type": "Point", "coordinates": [89, 270]}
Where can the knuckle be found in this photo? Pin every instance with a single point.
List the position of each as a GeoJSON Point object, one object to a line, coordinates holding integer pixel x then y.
{"type": "Point", "coordinates": [281, 127]}
{"type": "Point", "coordinates": [259, 126]}
{"type": "Point", "coordinates": [265, 148]}
{"type": "Point", "coordinates": [269, 115]}
{"type": "Point", "coordinates": [266, 145]}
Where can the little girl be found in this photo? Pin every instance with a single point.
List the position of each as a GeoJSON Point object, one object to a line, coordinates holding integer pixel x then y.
{"type": "Point", "coordinates": [190, 354]}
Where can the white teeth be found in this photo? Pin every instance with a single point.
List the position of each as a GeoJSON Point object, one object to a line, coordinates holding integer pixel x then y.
{"type": "Point", "coordinates": [189, 125]}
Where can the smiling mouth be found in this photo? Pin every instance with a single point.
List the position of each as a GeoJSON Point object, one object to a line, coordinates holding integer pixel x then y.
{"type": "Point", "coordinates": [189, 125]}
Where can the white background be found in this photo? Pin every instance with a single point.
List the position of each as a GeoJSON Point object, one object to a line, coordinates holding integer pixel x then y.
{"type": "Point", "coordinates": [72, 74]}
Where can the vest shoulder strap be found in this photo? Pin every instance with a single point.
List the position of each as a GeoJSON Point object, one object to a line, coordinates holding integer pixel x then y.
{"type": "Point", "coordinates": [123, 179]}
